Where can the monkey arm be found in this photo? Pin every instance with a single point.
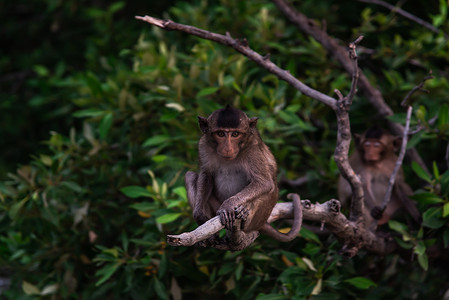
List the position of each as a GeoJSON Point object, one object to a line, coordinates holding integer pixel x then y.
{"type": "Point", "coordinates": [256, 197]}
{"type": "Point", "coordinates": [199, 192]}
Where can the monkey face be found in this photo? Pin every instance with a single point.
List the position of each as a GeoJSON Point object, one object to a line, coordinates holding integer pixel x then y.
{"type": "Point", "coordinates": [228, 142]}
{"type": "Point", "coordinates": [372, 149]}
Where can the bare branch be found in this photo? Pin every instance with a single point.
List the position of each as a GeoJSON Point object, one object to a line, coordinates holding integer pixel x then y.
{"type": "Point", "coordinates": [355, 72]}
{"type": "Point", "coordinates": [400, 11]}
{"type": "Point", "coordinates": [405, 102]}
{"type": "Point", "coordinates": [398, 164]}
{"type": "Point", "coordinates": [344, 140]}
{"type": "Point", "coordinates": [419, 87]}
{"type": "Point", "coordinates": [327, 213]}
{"type": "Point", "coordinates": [242, 47]}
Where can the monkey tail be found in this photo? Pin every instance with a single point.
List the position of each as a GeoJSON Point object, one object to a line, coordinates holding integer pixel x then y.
{"type": "Point", "coordinates": [297, 222]}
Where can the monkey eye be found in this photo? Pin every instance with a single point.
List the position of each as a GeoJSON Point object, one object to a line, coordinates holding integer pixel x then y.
{"type": "Point", "coordinates": [367, 144]}
{"type": "Point", "coordinates": [377, 144]}
{"type": "Point", "coordinates": [220, 133]}
{"type": "Point", "coordinates": [235, 134]}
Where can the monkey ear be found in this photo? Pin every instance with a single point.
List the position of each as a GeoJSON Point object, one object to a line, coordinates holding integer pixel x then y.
{"type": "Point", "coordinates": [252, 124]}
{"type": "Point", "coordinates": [204, 125]}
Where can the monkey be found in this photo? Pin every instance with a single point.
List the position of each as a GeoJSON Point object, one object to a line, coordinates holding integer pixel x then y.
{"type": "Point", "coordinates": [374, 159]}
{"type": "Point", "coordinates": [237, 177]}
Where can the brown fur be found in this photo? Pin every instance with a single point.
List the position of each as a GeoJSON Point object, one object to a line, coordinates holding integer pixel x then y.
{"type": "Point", "coordinates": [375, 164]}
{"type": "Point", "coordinates": [237, 177]}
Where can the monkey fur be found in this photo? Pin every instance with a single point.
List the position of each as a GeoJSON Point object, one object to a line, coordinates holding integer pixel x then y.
{"type": "Point", "coordinates": [237, 177]}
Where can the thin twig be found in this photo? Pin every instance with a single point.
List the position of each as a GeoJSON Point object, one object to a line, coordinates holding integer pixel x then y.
{"type": "Point", "coordinates": [241, 45]}
{"type": "Point", "coordinates": [355, 73]}
{"type": "Point", "coordinates": [398, 164]}
{"type": "Point", "coordinates": [405, 102]}
{"type": "Point", "coordinates": [405, 14]}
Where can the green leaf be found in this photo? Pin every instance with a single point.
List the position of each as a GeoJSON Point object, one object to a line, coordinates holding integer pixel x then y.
{"type": "Point", "coordinates": [167, 218]}
{"type": "Point", "coordinates": [444, 182]}
{"type": "Point", "coordinates": [144, 206]}
{"type": "Point", "coordinates": [91, 112]}
{"type": "Point", "coordinates": [432, 218]}
{"type": "Point", "coordinates": [421, 172]}
{"type": "Point", "coordinates": [15, 208]}
{"type": "Point", "coordinates": [135, 191]}
{"type": "Point", "coordinates": [206, 92]}
{"type": "Point", "coordinates": [156, 140]}
{"type": "Point", "coordinates": [427, 198]}
{"type": "Point", "coordinates": [361, 282]}
{"type": "Point", "coordinates": [423, 261]}
{"type": "Point", "coordinates": [106, 272]}
{"type": "Point", "coordinates": [271, 297]}
{"type": "Point", "coordinates": [446, 238]}
{"type": "Point", "coordinates": [160, 289]}
{"type": "Point", "coordinates": [443, 117]}
{"type": "Point", "coordinates": [260, 256]}
{"type": "Point", "coordinates": [41, 70]}
{"type": "Point", "coordinates": [181, 192]}
{"type": "Point", "coordinates": [420, 249]}
{"type": "Point", "coordinates": [436, 172]}
{"type": "Point", "coordinates": [73, 186]}
{"type": "Point", "coordinates": [105, 125]}
{"type": "Point", "coordinates": [116, 6]}
{"type": "Point", "coordinates": [446, 210]}
{"type": "Point", "coordinates": [396, 226]}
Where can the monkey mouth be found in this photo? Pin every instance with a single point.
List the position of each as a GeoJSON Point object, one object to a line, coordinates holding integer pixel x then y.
{"type": "Point", "coordinates": [228, 157]}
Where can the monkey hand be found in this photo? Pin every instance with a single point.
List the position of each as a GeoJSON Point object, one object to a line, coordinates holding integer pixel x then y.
{"type": "Point", "coordinates": [227, 216]}
{"type": "Point", "coordinates": [377, 212]}
{"type": "Point", "coordinates": [241, 212]}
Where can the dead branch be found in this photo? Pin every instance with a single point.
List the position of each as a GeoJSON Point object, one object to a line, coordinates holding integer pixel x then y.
{"type": "Point", "coordinates": [398, 164]}
{"type": "Point", "coordinates": [338, 51]}
{"type": "Point", "coordinates": [344, 139]}
{"type": "Point", "coordinates": [405, 14]}
{"type": "Point", "coordinates": [327, 213]}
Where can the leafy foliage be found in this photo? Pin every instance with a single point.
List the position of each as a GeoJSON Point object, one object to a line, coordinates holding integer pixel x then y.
{"type": "Point", "coordinates": [86, 217]}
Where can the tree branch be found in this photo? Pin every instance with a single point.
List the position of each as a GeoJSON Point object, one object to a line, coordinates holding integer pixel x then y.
{"type": "Point", "coordinates": [400, 11]}
{"type": "Point", "coordinates": [405, 102]}
{"type": "Point", "coordinates": [327, 213]}
{"type": "Point", "coordinates": [344, 139]}
{"type": "Point", "coordinates": [241, 45]}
